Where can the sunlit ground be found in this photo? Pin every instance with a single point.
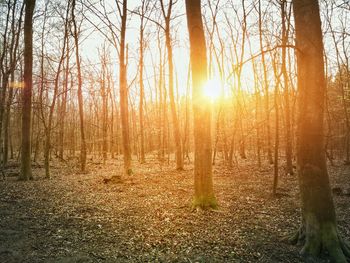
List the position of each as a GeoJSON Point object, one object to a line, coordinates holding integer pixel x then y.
{"type": "Point", "coordinates": [147, 217]}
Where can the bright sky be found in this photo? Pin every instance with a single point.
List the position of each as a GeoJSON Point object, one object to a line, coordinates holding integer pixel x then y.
{"type": "Point", "coordinates": [93, 40]}
{"type": "Point", "coordinates": [180, 39]}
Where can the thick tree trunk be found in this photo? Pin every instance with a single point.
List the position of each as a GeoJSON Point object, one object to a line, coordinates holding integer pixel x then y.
{"type": "Point", "coordinates": [203, 182]}
{"type": "Point", "coordinates": [319, 227]}
{"type": "Point", "coordinates": [26, 169]}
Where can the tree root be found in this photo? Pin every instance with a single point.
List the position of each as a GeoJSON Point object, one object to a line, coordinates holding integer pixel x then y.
{"type": "Point", "coordinates": [325, 239]}
{"type": "Point", "coordinates": [345, 247]}
{"type": "Point", "coordinates": [204, 203]}
{"type": "Point", "coordinates": [297, 238]}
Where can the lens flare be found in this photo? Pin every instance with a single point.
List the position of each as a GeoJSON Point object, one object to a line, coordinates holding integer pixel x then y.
{"type": "Point", "coordinates": [212, 89]}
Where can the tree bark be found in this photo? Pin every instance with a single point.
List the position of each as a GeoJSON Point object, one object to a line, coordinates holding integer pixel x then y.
{"type": "Point", "coordinates": [26, 168]}
{"type": "Point", "coordinates": [289, 165]}
{"type": "Point", "coordinates": [203, 182]}
{"type": "Point", "coordinates": [266, 89]}
{"type": "Point", "coordinates": [104, 95]}
{"type": "Point", "coordinates": [176, 124]}
{"type": "Point", "coordinates": [123, 89]}
{"type": "Point", "coordinates": [319, 227]}
{"type": "Point", "coordinates": [63, 106]}
{"type": "Point", "coordinates": [80, 93]}
{"type": "Point", "coordinates": [142, 134]}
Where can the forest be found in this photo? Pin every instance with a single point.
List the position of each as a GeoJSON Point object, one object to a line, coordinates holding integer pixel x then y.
{"type": "Point", "coordinates": [174, 131]}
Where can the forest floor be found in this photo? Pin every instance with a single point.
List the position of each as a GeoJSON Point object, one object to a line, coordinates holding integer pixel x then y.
{"type": "Point", "coordinates": [147, 217]}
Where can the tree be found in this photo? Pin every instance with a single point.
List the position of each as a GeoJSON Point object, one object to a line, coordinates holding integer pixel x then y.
{"type": "Point", "coordinates": [49, 122]}
{"type": "Point", "coordinates": [63, 105]}
{"type": "Point", "coordinates": [80, 92]}
{"type": "Point", "coordinates": [5, 113]}
{"type": "Point", "coordinates": [203, 182]}
{"type": "Point", "coordinates": [319, 227]}
{"type": "Point", "coordinates": [176, 124]}
{"type": "Point", "coordinates": [123, 91]}
{"type": "Point", "coordinates": [266, 86]}
{"type": "Point", "coordinates": [26, 169]}
{"type": "Point", "coordinates": [285, 31]}
{"type": "Point", "coordinates": [144, 9]}
{"type": "Point", "coordinates": [104, 91]}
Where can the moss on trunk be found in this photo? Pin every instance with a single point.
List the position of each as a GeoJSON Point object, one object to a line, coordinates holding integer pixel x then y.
{"type": "Point", "coordinates": [204, 202]}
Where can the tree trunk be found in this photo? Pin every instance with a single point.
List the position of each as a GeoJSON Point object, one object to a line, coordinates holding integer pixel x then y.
{"type": "Point", "coordinates": [8, 71]}
{"type": "Point", "coordinates": [63, 107]}
{"type": "Point", "coordinates": [276, 95]}
{"type": "Point", "coordinates": [176, 125]}
{"type": "Point", "coordinates": [7, 120]}
{"type": "Point", "coordinates": [26, 169]}
{"type": "Point", "coordinates": [53, 103]}
{"type": "Point", "coordinates": [319, 227]}
{"type": "Point", "coordinates": [104, 96]}
{"type": "Point", "coordinates": [80, 93]}
{"type": "Point", "coordinates": [142, 134]}
{"type": "Point", "coordinates": [124, 96]}
{"type": "Point", "coordinates": [266, 89]}
{"type": "Point", "coordinates": [289, 166]}
{"type": "Point", "coordinates": [203, 182]}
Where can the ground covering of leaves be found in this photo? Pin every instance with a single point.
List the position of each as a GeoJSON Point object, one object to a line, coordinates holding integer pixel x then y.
{"type": "Point", "coordinates": [147, 217]}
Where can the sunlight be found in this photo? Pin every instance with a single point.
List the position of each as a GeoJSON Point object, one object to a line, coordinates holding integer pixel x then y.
{"type": "Point", "coordinates": [212, 89]}
{"type": "Point", "coordinates": [16, 84]}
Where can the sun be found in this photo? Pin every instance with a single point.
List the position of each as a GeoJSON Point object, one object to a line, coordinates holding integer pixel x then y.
{"type": "Point", "coordinates": [212, 89]}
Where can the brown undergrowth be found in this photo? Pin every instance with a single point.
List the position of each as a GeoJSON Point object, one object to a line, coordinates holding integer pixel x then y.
{"type": "Point", "coordinates": [147, 217]}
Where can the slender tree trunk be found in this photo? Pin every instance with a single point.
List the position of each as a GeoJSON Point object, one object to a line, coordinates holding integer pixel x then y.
{"type": "Point", "coordinates": [7, 120]}
{"type": "Point", "coordinates": [80, 93]}
{"type": "Point", "coordinates": [124, 96]}
{"type": "Point", "coordinates": [257, 114]}
{"type": "Point", "coordinates": [4, 86]}
{"type": "Point", "coordinates": [142, 134]}
{"type": "Point", "coordinates": [111, 97]}
{"type": "Point", "coordinates": [47, 150]}
{"type": "Point", "coordinates": [176, 124]}
{"type": "Point", "coordinates": [289, 167]}
{"type": "Point", "coordinates": [8, 71]}
{"type": "Point", "coordinates": [186, 142]}
{"type": "Point", "coordinates": [203, 182]}
{"type": "Point", "coordinates": [319, 227]}
{"type": "Point", "coordinates": [161, 119]}
{"type": "Point", "coordinates": [165, 121]}
{"type": "Point", "coordinates": [63, 107]}
{"type": "Point", "coordinates": [266, 89]}
{"type": "Point", "coordinates": [276, 95]}
{"type": "Point", "coordinates": [104, 96]}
